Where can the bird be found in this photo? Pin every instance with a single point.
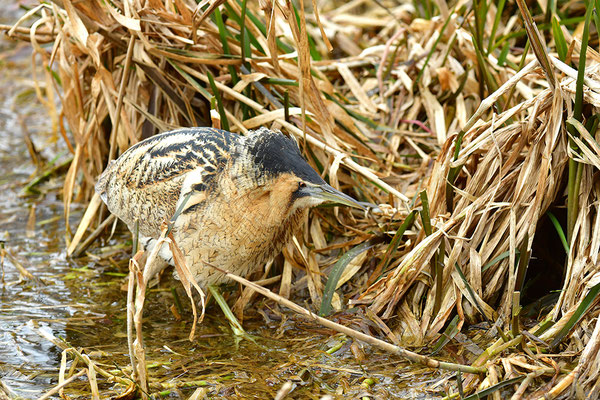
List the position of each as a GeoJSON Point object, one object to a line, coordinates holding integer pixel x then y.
{"type": "Point", "coordinates": [241, 197]}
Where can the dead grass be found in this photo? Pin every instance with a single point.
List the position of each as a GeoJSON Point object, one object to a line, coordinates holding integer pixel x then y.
{"type": "Point", "coordinates": [408, 112]}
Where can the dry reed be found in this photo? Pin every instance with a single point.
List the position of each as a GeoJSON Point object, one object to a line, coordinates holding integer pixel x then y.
{"type": "Point", "coordinates": [410, 114]}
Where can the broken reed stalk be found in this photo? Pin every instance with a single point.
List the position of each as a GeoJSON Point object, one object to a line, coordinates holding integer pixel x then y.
{"type": "Point", "coordinates": [388, 347]}
{"type": "Point", "coordinates": [92, 380]}
{"type": "Point", "coordinates": [131, 285]}
{"type": "Point", "coordinates": [136, 296]}
{"type": "Point", "coordinates": [90, 212]}
{"type": "Point", "coordinates": [61, 385]}
{"type": "Point", "coordinates": [139, 352]}
{"type": "Point", "coordinates": [83, 246]}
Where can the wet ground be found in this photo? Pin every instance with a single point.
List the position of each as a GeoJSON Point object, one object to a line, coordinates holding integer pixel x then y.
{"type": "Point", "coordinates": [82, 301]}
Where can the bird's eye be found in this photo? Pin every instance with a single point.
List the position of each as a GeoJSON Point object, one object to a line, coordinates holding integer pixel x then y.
{"type": "Point", "coordinates": [301, 185]}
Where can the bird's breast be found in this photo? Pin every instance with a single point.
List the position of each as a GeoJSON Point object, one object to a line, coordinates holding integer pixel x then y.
{"type": "Point", "coordinates": [237, 233]}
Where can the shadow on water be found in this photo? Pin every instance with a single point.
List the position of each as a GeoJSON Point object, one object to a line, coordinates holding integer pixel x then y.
{"type": "Point", "coordinates": [83, 301]}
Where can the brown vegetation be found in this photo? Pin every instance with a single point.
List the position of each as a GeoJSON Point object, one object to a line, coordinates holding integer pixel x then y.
{"type": "Point", "coordinates": [425, 117]}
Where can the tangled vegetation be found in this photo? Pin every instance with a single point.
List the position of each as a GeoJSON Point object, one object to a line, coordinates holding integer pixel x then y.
{"type": "Point", "coordinates": [471, 128]}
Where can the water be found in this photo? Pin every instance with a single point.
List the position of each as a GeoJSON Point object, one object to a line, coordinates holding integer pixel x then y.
{"type": "Point", "coordinates": [27, 362]}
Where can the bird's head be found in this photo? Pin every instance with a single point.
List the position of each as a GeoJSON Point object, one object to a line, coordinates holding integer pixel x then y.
{"type": "Point", "coordinates": [275, 166]}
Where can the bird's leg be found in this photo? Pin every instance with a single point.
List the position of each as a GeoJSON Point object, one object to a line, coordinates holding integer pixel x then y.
{"type": "Point", "coordinates": [236, 327]}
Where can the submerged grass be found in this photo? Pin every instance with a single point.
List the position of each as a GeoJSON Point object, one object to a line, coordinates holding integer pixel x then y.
{"type": "Point", "coordinates": [416, 101]}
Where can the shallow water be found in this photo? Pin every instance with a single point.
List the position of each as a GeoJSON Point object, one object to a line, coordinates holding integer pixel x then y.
{"type": "Point", "coordinates": [82, 301]}
{"type": "Point", "coordinates": [27, 362]}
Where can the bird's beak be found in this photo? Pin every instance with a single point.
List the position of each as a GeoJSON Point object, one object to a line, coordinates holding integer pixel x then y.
{"type": "Point", "coordinates": [325, 192]}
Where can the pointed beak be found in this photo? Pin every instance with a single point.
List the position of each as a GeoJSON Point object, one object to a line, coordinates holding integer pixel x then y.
{"type": "Point", "coordinates": [325, 193]}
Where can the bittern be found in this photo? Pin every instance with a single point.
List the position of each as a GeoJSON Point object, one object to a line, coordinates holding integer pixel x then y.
{"type": "Point", "coordinates": [244, 196]}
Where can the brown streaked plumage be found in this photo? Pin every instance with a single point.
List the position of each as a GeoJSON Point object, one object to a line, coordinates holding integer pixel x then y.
{"type": "Point", "coordinates": [248, 195]}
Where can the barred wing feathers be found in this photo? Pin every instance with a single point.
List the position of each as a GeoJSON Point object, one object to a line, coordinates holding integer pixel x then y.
{"type": "Point", "coordinates": [148, 180]}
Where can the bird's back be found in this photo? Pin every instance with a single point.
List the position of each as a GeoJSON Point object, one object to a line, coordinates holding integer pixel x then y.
{"type": "Point", "coordinates": [145, 183]}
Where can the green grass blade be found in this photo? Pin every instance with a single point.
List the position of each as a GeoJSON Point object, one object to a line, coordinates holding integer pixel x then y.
{"type": "Point", "coordinates": [389, 66]}
{"type": "Point", "coordinates": [559, 39]}
{"type": "Point", "coordinates": [578, 109]}
{"type": "Point", "coordinates": [177, 301]}
{"type": "Point", "coordinates": [559, 230]}
{"type": "Point", "coordinates": [471, 291]}
{"type": "Point", "coordinates": [248, 34]}
{"type": "Point", "coordinates": [190, 79]}
{"type": "Point", "coordinates": [428, 9]}
{"type": "Point", "coordinates": [523, 263]}
{"type": "Point", "coordinates": [357, 115]}
{"type": "Point", "coordinates": [597, 15]}
{"type": "Point", "coordinates": [247, 112]}
{"type": "Point", "coordinates": [55, 76]}
{"type": "Point", "coordinates": [480, 12]}
{"type": "Point", "coordinates": [550, 10]}
{"type": "Point", "coordinates": [244, 39]}
{"type": "Point", "coordinates": [574, 183]}
{"type": "Point", "coordinates": [583, 307]}
{"type": "Point", "coordinates": [575, 168]}
{"type": "Point", "coordinates": [453, 172]}
{"type": "Point", "coordinates": [515, 314]}
{"type": "Point", "coordinates": [280, 81]}
{"type": "Point", "coordinates": [220, 108]}
{"type": "Point", "coordinates": [544, 326]}
{"type": "Point", "coordinates": [49, 170]}
{"type": "Point", "coordinates": [236, 327]}
{"type": "Point", "coordinates": [499, 10]}
{"type": "Point", "coordinates": [425, 213]}
{"type": "Point", "coordinates": [336, 274]}
{"type": "Point", "coordinates": [484, 71]}
{"type": "Point", "coordinates": [286, 105]}
{"type": "Point", "coordinates": [218, 17]}
{"type": "Point", "coordinates": [410, 218]}
{"type": "Point", "coordinates": [503, 54]}
{"type": "Point", "coordinates": [501, 257]}
{"type": "Point", "coordinates": [448, 334]}
{"type": "Point", "coordinates": [520, 33]}
{"type": "Point", "coordinates": [494, 388]}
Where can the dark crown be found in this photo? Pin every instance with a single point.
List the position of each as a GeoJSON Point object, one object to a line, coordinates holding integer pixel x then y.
{"type": "Point", "coordinates": [276, 154]}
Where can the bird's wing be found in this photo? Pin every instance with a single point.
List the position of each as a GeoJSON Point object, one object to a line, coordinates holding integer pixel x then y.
{"type": "Point", "coordinates": [146, 183]}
